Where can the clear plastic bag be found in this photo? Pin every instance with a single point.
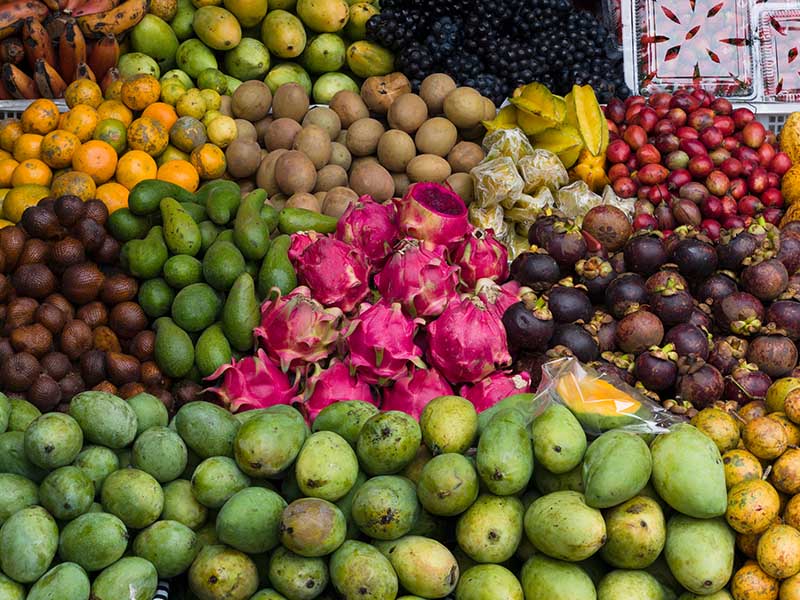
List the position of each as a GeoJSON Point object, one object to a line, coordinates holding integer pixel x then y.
{"type": "Point", "coordinates": [526, 207]}
{"type": "Point", "coordinates": [601, 404]}
{"type": "Point", "coordinates": [496, 180]}
{"type": "Point", "coordinates": [542, 168]}
{"type": "Point", "coordinates": [576, 199]}
{"type": "Point", "coordinates": [492, 217]}
{"type": "Point", "coordinates": [511, 143]}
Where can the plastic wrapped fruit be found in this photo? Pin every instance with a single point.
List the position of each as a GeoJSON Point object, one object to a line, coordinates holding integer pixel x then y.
{"type": "Point", "coordinates": [495, 180]}
{"type": "Point", "coordinates": [542, 168]}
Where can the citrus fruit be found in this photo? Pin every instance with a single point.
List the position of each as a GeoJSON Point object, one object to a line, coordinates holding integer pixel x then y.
{"type": "Point", "coordinates": [209, 161]}
{"type": "Point", "coordinates": [81, 121]}
{"type": "Point", "coordinates": [114, 109]}
{"type": "Point", "coordinates": [162, 112]}
{"type": "Point", "coordinates": [135, 166]}
{"type": "Point", "coordinates": [22, 197]}
{"type": "Point", "coordinates": [73, 183]}
{"type": "Point", "coordinates": [31, 170]}
{"type": "Point", "coordinates": [96, 158]}
{"type": "Point", "coordinates": [140, 91]}
{"type": "Point", "coordinates": [58, 148]}
{"type": "Point", "coordinates": [7, 167]}
{"type": "Point", "coordinates": [179, 172]}
{"type": "Point", "coordinates": [41, 117]}
{"type": "Point", "coordinates": [83, 91]}
{"type": "Point", "coordinates": [28, 145]}
{"type": "Point", "coordinates": [114, 195]}
{"type": "Point", "coordinates": [113, 132]}
{"type": "Point", "coordinates": [148, 135]}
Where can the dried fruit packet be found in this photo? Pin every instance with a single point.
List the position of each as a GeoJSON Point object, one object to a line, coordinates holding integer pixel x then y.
{"type": "Point", "coordinates": [496, 180]}
{"type": "Point", "coordinates": [492, 217]}
{"type": "Point", "coordinates": [527, 208]}
{"type": "Point", "coordinates": [542, 168]}
{"type": "Point", "coordinates": [511, 143]}
{"type": "Point", "coordinates": [576, 199]}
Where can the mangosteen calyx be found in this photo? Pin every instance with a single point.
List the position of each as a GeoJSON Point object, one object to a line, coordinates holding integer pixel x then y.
{"type": "Point", "coordinates": [626, 362]}
{"type": "Point", "coordinates": [649, 393]}
{"type": "Point", "coordinates": [593, 267]}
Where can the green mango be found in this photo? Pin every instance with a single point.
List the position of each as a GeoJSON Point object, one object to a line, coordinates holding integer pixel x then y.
{"type": "Point", "coordinates": [486, 582]}
{"type": "Point", "coordinates": [97, 463]}
{"type": "Point", "coordinates": [250, 232]}
{"type": "Point", "coordinates": [616, 467]}
{"type": "Point", "coordinates": [160, 452]}
{"type": "Point", "coordinates": [145, 258]}
{"type": "Point", "coordinates": [196, 307]}
{"type": "Point", "coordinates": [367, 59]}
{"type": "Point", "coordinates": [181, 233]}
{"type": "Point", "coordinates": [345, 504]}
{"type": "Point", "coordinates": [10, 589]}
{"type": "Point", "coordinates": [544, 578]}
{"type": "Point", "coordinates": [269, 214]}
{"type": "Point", "coordinates": [181, 23]}
{"type": "Point", "coordinates": [169, 546]}
{"type": "Point", "coordinates": [226, 235]}
{"type": "Point", "coordinates": [222, 572]}
{"type": "Point", "coordinates": [547, 482]}
{"type": "Point", "coordinates": [212, 350]}
{"type": "Point", "coordinates": [323, 15]}
{"type": "Point", "coordinates": [53, 440]}
{"type": "Point", "coordinates": [283, 34]}
{"type": "Point", "coordinates": [324, 53]}
{"type": "Point", "coordinates": [28, 544]}
{"type": "Point", "coordinates": [5, 412]}
{"type": "Point", "coordinates": [522, 403]}
{"type": "Point", "coordinates": [346, 417]}
{"type": "Point", "coordinates": [268, 444]}
{"type": "Point", "coordinates": [132, 578]}
{"type": "Point", "coordinates": [241, 313]}
{"type": "Point", "coordinates": [296, 576]}
{"type": "Point", "coordinates": [66, 493]}
{"type": "Point", "coordinates": [382, 496]}
{"type": "Point", "coordinates": [387, 442]}
{"type": "Point", "coordinates": [222, 264]}
{"type": "Point", "coordinates": [135, 497]}
{"type": "Point", "coordinates": [154, 37]}
{"type": "Point", "coordinates": [449, 424]}
{"type": "Point", "coordinates": [635, 532]}
{"type": "Point", "coordinates": [559, 442]}
{"type": "Point", "coordinates": [193, 57]}
{"type": "Point", "coordinates": [216, 479]}
{"type": "Point", "coordinates": [14, 460]}
{"type": "Point", "coordinates": [448, 485]}
{"type": "Point", "coordinates": [622, 585]}
{"type": "Point", "coordinates": [250, 520]}
{"type": "Point", "coordinates": [505, 454]}
{"type": "Point", "coordinates": [288, 72]}
{"type": "Point", "coordinates": [174, 351]}
{"type": "Point", "coordinates": [23, 413]}
{"type": "Point", "coordinates": [206, 190]}
{"type": "Point", "coordinates": [328, 85]}
{"type": "Point", "coordinates": [67, 581]}
{"type": "Point", "coordinates": [360, 13]}
{"type": "Point", "coordinates": [312, 527]}
{"type": "Point", "coordinates": [700, 552]}
{"type": "Point", "coordinates": [150, 412]}
{"type": "Point", "coordinates": [358, 570]}
{"type": "Point", "coordinates": [180, 505]}
{"type": "Point", "coordinates": [106, 419]}
{"type": "Point", "coordinates": [207, 429]}
{"type": "Point", "coordinates": [491, 529]}
{"type": "Point", "coordinates": [216, 27]}
{"type": "Point", "coordinates": [562, 526]}
{"type": "Point", "coordinates": [688, 472]}
{"type": "Point", "coordinates": [222, 204]}
{"type": "Point", "coordinates": [424, 566]}
{"type": "Point", "coordinates": [277, 271]}
{"type": "Point", "coordinates": [249, 60]}
{"type": "Point", "coordinates": [16, 492]}
{"type": "Point", "coordinates": [326, 466]}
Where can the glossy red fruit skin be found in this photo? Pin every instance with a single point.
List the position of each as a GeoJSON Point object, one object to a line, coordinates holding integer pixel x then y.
{"type": "Point", "coordinates": [701, 119]}
{"type": "Point", "coordinates": [631, 100]}
{"type": "Point", "coordinates": [758, 181]}
{"type": "Point", "coordinates": [700, 166]}
{"type": "Point", "coordinates": [625, 187]}
{"type": "Point", "coordinates": [718, 183]}
{"type": "Point", "coordinates": [678, 116]}
{"type": "Point", "coordinates": [635, 135]}
{"type": "Point", "coordinates": [648, 154]}
{"type": "Point", "coordinates": [711, 228]}
{"type": "Point", "coordinates": [664, 126]}
{"type": "Point", "coordinates": [772, 198]}
{"type": "Point", "coordinates": [711, 137]}
{"type": "Point", "coordinates": [780, 163]}
{"type": "Point", "coordinates": [659, 193]}
{"type": "Point", "coordinates": [754, 134]}
{"type": "Point", "coordinates": [644, 221]}
{"type": "Point", "coordinates": [618, 151]}
{"type": "Point", "coordinates": [616, 171]}
{"type": "Point", "coordinates": [722, 106]}
{"type": "Point", "coordinates": [772, 215]}
{"type": "Point", "coordinates": [667, 142]}
{"type": "Point", "coordinates": [687, 133]}
{"type": "Point", "coordinates": [711, 207]}
{"type": "Point", "coordinates": [750, 206]}
{"type": "Point", "coordinates": [766, 152]}
{"type": "Point", "coordinates": [738, 188]}
{"type": "Point", "coordinates": [647, 119]}
{"type": "Point", "coordinates": [773, 180]}
{"type": "Point", "coordinates": [732, 167]}
{"type": "Point", "coordinates": [653, 174]}
{"type": "Point", "coordinates": [742, 116]}
{"type": "Point", "coordinates": [730, 143]}
{"type": "Point", "coordinates": [615, 110]}
{"type": "Point", "coordinates": [729, 207]}
{"type": "Point", "coordinates": [725, 124]}
{"type": "Point", "coordinates": [678, 178]}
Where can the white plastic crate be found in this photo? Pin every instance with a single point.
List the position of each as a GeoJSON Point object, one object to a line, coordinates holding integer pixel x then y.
{"type": "Point", "coordinates": [14, 108]}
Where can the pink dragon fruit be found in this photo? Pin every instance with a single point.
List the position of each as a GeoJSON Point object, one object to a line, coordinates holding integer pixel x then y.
{"type": "Point", "coordinates": [433, 213]}
{"type": "Point", "coordinates": [336, 272]}
{"type": "Point", "coordinates": [490, 390]}
{"type": "Point", "coordinates": [252, 382]}
{"type": "Point", "coordinates": [468, 341]}
{"type": "Point", "coordinates": [480, 255]}
{"type": "Point", "coordinates": [498, 298]}
{"type": "Point", "coordinates": [296, 328]}
{"type": "Point", "coordinates": [334, 384]}
{"type": "Point", "coordinates": [381, 341]}
{"type": "Point", "coordinates": [413, 390]}
{"type": "Point", "coordinates": [300, 241]}
{"type": "Point", "coordinates": [371, 227]}
{"type": "Point", "coordinates": [419, 278]}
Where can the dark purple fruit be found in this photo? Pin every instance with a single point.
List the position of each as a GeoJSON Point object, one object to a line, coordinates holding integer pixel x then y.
{"type": "Point", "coordinates": [531, 363]}
{"type": "Point", "coordinates": [789, 253]}
{"type": "Point", "coordinates": [577, 339]}
{"type": "Point", "coordinates": [656, 368]}
{"type": "Point", "coordinates": [699, 383]}
{"type": "Point", "coordinates": [727, 353]}
{"type": "Point", "coordinates": [595, 274]}
{"type": "Point", "coordinates": [569, 304]}
{"type": "Point", "coordinates": [734, 247]}
{"type": "Point", "coordinates": [664, 280]}
{"type": "Point", "coordinates": [688, 339]}
{"type": "Point", "coordinates": [638, 331]}
{"type": "Point", "coordinates": [672, 306]}
{"type": "Point", "coordinates": [746, 383]}
{"type": "Point", "coordinates": [605, 329]}
{"type": "Point", "coordinates": [695, 258]}
{"type": "Point", "coordinates": [618, 262]}
{"type": "Point", "coordinates": [529, 324]}
{"type": "Point", "coordinates": [612, 372]}
{"type": "Point", "coordinates": [716, 287]}
{"type": "Point", "coordinates": [766, 280]}
{"type": "Point", "coordinates": [773, 353]}
{"type": "Point", "coordinates": [740, 313]}
{"type": "Point", "coordinates": [535, 270]}
{"type": "Point", "coordinates": [623, 292]}
{"type": "Point", "coordinates": [566, 245]}
{"type": "Point", "coordinates": [786, 315]}
{"type": "Point", "coordinates": [644, 254]}
{"type": "Point", "coordinates": [700, 318]}
{"type": "Point", "coordinates": [542, 230]}
{"type": "Point", "coordinates": [608, 225]}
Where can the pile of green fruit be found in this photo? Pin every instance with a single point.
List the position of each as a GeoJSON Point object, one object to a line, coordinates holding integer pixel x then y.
{"type": "Point", "coordinates": [220, 45]}
{"type": "Point", "coordinates": [365, 504]}
{"type": "Point", "coordinates": [205, 262]}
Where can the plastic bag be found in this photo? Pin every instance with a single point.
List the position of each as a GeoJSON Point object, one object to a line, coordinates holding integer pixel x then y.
{"type": "Point", "coordinates": [576, 199]}
{"type": "Point", "coordinates": [496, 180]}
{"type": "Point", "coordinates": [511, 143]}
{"type": "Point", "coordinates": [492, 217]}
{"type": "Point", "coordinates": [526, 207]}
{"type": "Point", "coordinates": [542, 168]}
{"type": "Point", "coordinates": [601, 404]}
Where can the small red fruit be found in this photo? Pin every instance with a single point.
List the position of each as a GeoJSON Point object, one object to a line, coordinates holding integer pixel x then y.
{"type": "Point", "coordinates": [711, 207]}
{"type": "Point", "coordinates": [644, 221]}
{"type": "Point", "coordinates": [653, 174]}
{"type": "Point", "coordinates": [678, 178]}
{"type": "Point", "coordinates": [700, 166]}
{"type": "Point", "coordinates": [749, 206]}
{"type": "Point", "coordinates": [744, 153]}
{"type": "Point", "coordinates": [711, 228]}
{"type": "Point", "coordinates": [664, 126]}
{"type": "Point", "coordinates": [711, 137]}
{"type": "Point", "coordinates": [766, 152]}
{"type": "Point", "coordinates": [725, 125]}
{"type": "Point", "coordinates": [738, 188]}
{"type": "Point", "coordinates": [772, 215]}
{"type": "Point", "coordinates": [773, 180]}
{"type": "Point", "coordinates": [631, 100]}
{"type": "Point", "coordinates": [757, 182]}
{"type": "Point", "coordinates": [618, 170]}
{"type": "Point", "coordinates": [641, 197]}
{"type": "Point", "coordinates": [772, 198]}
{"type": "Point", "coordinates": [647, 118]}
{"type": "Point", "coordinates": [729, 206]}
{"type": "Point", "coordinates": [667, 142]}
{"type": "Point", "coordinates": [730, 143]}
{"type": "Point", "coordinates": [742, 116]}
{"type": "Point", "coordinates": [701, 119]}
{"type": "Point", "coordinates": [732, 222]}
{"type": "Point", "coordinates": [687, 133]}
{"type": "Point", "coordinates": [754, 134]}
{"type": "Point", "coordinates": [722, 106]}
{"type": "Point", "coordinates": [635, 135]}
{"type": "Point", "coordinates": [618, 151]}
{"type": "Point", "coordinates": [677, 116]}
{"type": "Point", "coordinates": [780, 163]}
{"type": "Point", "coordinates": [648, 154]}
{"type": "Point", "coordinates": [718, 183]}
{"type": "Point", "coordinates": [719, 156]}
{"type": "Point", "coordinates": [615, 110]}
{"type": "Point", "coordinates": [660, 99]}
{"type": "Point", "coordinates": [632, 111]}
{"type": "Point", "coordinates": [732, 167]}
{"type": "Point", "coordinates": [625, 187]}
{"type": "Point", "coordinates": [658, 194]}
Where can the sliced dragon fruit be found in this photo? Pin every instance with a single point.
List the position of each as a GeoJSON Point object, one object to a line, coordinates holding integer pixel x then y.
{"type": "Point", "coordinates": [252, 382]}
{"type": "Point", "coordinates": [381, 342]}
{"type": "Point", "coordinates": [371, 227]}
{"type": "Point", "coordinates": [297, 329]}
{"type": "Point", "coordinates": [412, 391]}
{"type": "Point", "coordinates": [490, 390]}
{"type": "Point", "coordinates": [420, 279]}
{"type": "Point", "coordinates": [480, 255]}
{"type": "Point", "coordinates": [334, 384]}
{"type": "Point", "coordinates": [433, 213]}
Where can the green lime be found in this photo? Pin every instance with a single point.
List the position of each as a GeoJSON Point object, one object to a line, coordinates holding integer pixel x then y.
{"type": "Point", "coordinates": [183, 270]}
{"type": "Point", "coordinates": [113, 132]}
{"type": "Point", "coordinates": [155, 297]}
{"type": "Point", "coordinates": [212, 79]}
{"type": "Point", "coordinates": [196, 307]}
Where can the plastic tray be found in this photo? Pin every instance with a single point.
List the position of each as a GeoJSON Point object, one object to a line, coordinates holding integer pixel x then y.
{"type": "Point", "coordinates": [778, 28]}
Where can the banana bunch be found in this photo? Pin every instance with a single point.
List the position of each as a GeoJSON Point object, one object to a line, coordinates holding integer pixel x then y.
{"type": "Point", "coordinates": [47, 44]}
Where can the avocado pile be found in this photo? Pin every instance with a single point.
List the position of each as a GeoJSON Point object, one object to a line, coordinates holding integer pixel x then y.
{"type": "Point", "coordinates": [206, 262]}
{"type": "Point", "coordinates": [112, 496]}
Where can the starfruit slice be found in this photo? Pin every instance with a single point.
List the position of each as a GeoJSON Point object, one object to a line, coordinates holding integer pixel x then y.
{"type": "Point", "coordinates": [536, 99]}
{"type": "Point", "coordinates": [559, 139]}
{"type": "Point", "coordinates": [583, 111]}
{"type": "Point", "coordinates": [506, 119]}
{"type": "Point", "coordinates": [533, 124]}
{"type": "Point", "coordinates": [561, 108]}
{"type": "Point", "coordinates": [570, 156]}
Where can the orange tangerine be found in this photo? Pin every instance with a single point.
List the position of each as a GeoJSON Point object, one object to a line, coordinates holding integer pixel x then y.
{"type": "Point", "coordinates": [114, 109]}
{"type": "Point", "coordinates": [58, 147]}
{"type": "Point", "coordinates": [7, 167]}
{"type": "Point", "coordinates": [96, 158]}
{"type": "Point", "coordinates": [114, 195]}
{"type": "Point", "coordinates": [180, 172]}
{"type": "Point", "coordinates": [149, 135]}
{"type": "Point", "coordinates": [135, 166]}
{"type": "Point", "coordinates": [41, 116]}
{"type": "Point", "coordinates": [22, 197]}
{"type": "Point", "coordinates": [4, 154]}
{"type": "Point", "coordinates": [209, 161]}
{"type": "Point", "coordinates": [28, 145]}
{"type": "Point", "coordinates": [33, 171]}
{"type": "Point", "coordinates": [114, 90]}
{"type": "Point", "coordinates": [162, 112]}
{"type": "Point", "coordinates": [81, 121]}
{"type": "Point", "coordinates": [83, 91]}
{"type": "Point", "coordinates": [73, 183]}
{"type": "Point", "coordinates": [140, 91]}
{"type": "Point", "coordinates": [10, 130]}
{"type": "Point", "coordinates": [114, 132]}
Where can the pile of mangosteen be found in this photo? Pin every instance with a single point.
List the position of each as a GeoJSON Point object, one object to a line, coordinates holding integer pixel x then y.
{"type": "Point", "coordinates": [689, 321]}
